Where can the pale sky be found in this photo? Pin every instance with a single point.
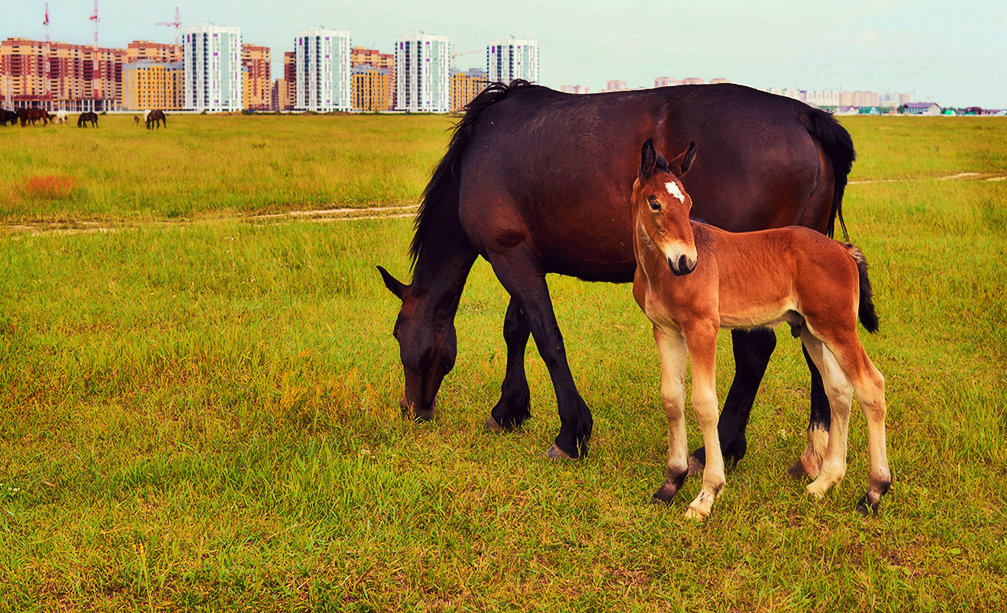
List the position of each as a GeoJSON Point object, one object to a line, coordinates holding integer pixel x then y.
{"type": "Point", "coordinates": [950, 52]}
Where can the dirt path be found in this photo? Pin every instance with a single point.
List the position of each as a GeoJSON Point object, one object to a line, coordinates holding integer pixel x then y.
{"type": "Point", "coordinates": [316, 215]}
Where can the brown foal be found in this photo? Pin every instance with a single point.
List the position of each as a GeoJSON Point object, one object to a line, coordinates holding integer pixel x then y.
{"type": "Point", "coordinates": [693, 279]}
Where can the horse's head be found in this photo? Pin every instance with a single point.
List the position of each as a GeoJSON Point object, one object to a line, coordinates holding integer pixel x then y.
{"type": "Point", "coordinates": [427, 346]}
{"type": "Point", "coordinates": [661, 207]}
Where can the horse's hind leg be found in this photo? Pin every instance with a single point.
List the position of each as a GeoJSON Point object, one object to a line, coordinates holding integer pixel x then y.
{"type": "Point", "coordinates": [840, 394]}
{"type": "Point", "coordinates": [513, 407]}
{"type": "Point", "coordinates": [810, 461]}
{"type": "Point", "coordinates": [525, 281]}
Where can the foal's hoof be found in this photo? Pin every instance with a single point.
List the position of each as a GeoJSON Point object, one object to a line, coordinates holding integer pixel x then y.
{"type": "Point", "coordinates": [804, 467]}
{"type": "Point", "coordinates": [492, 425]}
{"type": "Point", "coordinates": [555, 453]}
{"type": "Point", "coordinates": [664, 495]}
{"type": "Point", "coordinates": [866, 508]}
{"type": "Point", "coordinates": [696, 514]}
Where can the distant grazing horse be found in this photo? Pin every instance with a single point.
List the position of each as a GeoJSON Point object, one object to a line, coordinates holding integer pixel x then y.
{"type": "Point", "coordinates": [8, 117]}
{"type": "Point", "coordinates": [537, 181]}
{"type": "Point", "coordinates": [157, 118]}
{"type": "Point", "coordinates": [61, 116]}
{"type": "Point", "coordinates": [693, 279]}
{"type": "Point", "coordinates": [32, 116]}
{"type": "Point", "coordinates": [87, 117]}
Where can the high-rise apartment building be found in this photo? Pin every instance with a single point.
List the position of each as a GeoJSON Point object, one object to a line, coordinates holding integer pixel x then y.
{"type": "Point", "coordinates": [213, 70]}
{"type": "Point", "coordinates": [422, 79]}
{"type": "Point", "coordinates": [258, 86]}
{"type": "Point", "coordinates": [322, 70]}
{"type": "Point", "coordinates": [511, 58]}
{"type": "Point", "coordinates": [465, 86]}
{"type": "Point", "coordinates": [60, 75]}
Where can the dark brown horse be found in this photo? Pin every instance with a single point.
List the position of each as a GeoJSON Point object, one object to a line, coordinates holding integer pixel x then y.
{"type": "Point", "coordinates": [87, 117]}
{"type": "Point", "coordinates": [32, 116]}
{"type": "Point", "coordinates": [8, 117]}
{"type": "Point", "coordinates": [538, 182]}
{"type": "Point", "coordinates": [157, 119]}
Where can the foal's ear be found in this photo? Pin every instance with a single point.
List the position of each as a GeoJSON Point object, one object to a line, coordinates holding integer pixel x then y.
{"type": "Point", "coordinates": [394, 285]}
{"type": "Point", "coordinates": [683, 162]}
{"type": "Point", "coordinates": [648, 157]}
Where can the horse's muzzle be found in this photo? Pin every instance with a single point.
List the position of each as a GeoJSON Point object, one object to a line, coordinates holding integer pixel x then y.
{"type": "Point", "coordinates": [682, 266]}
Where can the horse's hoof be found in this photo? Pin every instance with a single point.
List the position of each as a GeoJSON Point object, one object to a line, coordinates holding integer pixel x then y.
{"type": "Point", "coordinates": [664, 495]}
{"type": "Point", "coordinates": [797, 471]}
{"type": "Point", "coordinates": [695, 466]}
{"type": "Point", "coordinates": [492, 425]}
{"type": "Point", "coordinates": [555, 453]}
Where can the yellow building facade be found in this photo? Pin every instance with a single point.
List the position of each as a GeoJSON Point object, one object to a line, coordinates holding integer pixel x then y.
{"type": "Point", "coordinates": [370, 88]}
{"type": "Point", "coordinates": [153, 85]}
{"type": "Point", "coordinates": [465, 86]}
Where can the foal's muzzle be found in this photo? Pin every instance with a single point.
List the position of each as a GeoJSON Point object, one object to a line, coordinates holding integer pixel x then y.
{"type": "Point", "coordinates": [682, 266]}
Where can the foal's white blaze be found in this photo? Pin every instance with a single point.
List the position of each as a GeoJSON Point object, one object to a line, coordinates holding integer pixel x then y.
{"type": "Point", "coordinates": [674, 190]}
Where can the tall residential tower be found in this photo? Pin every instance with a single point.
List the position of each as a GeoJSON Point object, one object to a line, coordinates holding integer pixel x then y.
{"type": "Point", "coordinates": [322, 70]}
{"type": "Point", "coordinates": [213, 71]}
{"type": "Point", "coordinates": [510, 58]}
{"type": "Point", "coordinates": [422, 75]}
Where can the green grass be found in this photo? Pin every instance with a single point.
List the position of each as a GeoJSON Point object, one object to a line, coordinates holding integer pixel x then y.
{"type": "Point", "coordinates": [213, 165]}
{"type": "Point", "coordinates": [206, 414]}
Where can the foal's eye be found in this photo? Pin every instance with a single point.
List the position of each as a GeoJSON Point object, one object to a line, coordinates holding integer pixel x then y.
{"type": "Point", "coordinates": [654, 204]}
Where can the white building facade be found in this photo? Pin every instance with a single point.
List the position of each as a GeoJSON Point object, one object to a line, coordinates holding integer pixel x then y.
{"type": "Point", "coordinates": [213, 71]}
{"type": "Point", "coordinates": [322, 61]}
{"type": "Point", "coordinates": [511, 58]}
{"type": "Point", "coordinates": [422, 75]}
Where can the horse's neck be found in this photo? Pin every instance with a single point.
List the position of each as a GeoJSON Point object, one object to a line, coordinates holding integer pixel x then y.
{"type": "Point", "coordinates": [439, 278]}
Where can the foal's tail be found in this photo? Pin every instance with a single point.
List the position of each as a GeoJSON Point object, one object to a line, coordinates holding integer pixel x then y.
{"type": "Point", "coordinates": [868, 316]}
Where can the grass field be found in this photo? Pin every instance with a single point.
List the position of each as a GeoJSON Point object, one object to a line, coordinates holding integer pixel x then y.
{"type": "Point", "coordinates": [199, 405]}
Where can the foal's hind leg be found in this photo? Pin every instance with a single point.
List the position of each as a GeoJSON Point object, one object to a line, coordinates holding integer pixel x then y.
{"type": "Point", "coordinates": [810, 461]}
{"type": "Point", "coordinates": [513, 407]}
{"type": "Point", "coordinates": [869, 386]}
{"type": "Point", "coordinates": [840, 394]}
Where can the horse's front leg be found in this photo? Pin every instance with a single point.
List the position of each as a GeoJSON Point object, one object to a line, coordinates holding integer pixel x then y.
{"type": "Point", "coordinates": [513, 408]}
{"type": "Point", "coordinates": [674, 356]}
{"type": "Point", "coordinates": [701, 338]}
{"type": "Point", "coordinates": [524, 279]}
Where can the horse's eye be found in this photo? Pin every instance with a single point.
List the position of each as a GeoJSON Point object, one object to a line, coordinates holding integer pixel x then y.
{"type": "Point", "coordinates": [655, 205]}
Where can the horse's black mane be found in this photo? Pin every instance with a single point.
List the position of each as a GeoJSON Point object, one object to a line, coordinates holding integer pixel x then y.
{"type": "Point", "coordinates": [437, 219]}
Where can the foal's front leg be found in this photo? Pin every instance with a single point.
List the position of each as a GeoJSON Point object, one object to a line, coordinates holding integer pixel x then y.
{"type": "Point", "coordinates": [672, 349]}
{"type": "Point", "coordinates": [701, 338]}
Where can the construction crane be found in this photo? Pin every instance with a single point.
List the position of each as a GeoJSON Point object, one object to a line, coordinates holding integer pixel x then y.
{"type": "Point", "coordinates": [96, 74]}
{"type": "Point", "coordinates": [173, 24]}
{"type": "Point", "coordinates": [454, 55]}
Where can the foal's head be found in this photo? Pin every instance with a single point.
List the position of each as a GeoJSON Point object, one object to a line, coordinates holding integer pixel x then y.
{"type": "Point", "coordinates": [661, 207]}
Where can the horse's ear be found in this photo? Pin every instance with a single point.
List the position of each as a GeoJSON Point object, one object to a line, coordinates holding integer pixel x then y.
{"type": "Point", "coordinates": [648, 157]}
{"type": "Point", "coordinates": [684, 161]}
{"type": "Point", "coordinates": [394, 285]}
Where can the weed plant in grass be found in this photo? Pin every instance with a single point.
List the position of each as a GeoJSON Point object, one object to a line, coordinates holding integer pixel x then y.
{"type": "Point", "coordinates": [206, 415]}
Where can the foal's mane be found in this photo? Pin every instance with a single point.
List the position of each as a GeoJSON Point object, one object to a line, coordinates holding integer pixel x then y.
{"type": "Point", "coordinates": [437, 222]}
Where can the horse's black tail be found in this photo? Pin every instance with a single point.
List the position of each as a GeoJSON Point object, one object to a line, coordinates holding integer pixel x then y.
{"type": "Point", "coordinates": [838, 146]}
{"type": "Point", "coordinates": [437, 218]}
{"type": "Point", "coordinates": [865, 310]}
